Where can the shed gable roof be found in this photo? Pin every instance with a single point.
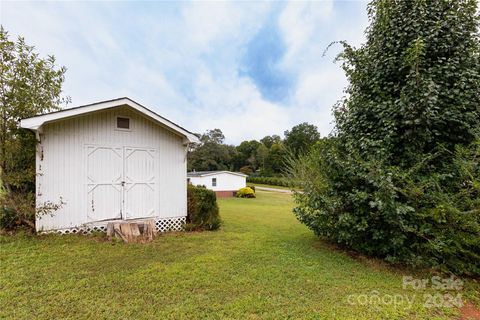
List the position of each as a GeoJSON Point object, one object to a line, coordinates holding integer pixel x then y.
{"type": "Point", "coordinates": [35, 123]}
{"type": "Point", "coordinates": [211, 173]}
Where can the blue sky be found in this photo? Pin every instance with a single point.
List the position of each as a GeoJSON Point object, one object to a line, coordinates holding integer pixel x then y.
{"type": "Point", "coordinates": [249, 68]}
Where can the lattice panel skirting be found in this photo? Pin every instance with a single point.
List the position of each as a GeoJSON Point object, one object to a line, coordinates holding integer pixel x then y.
{"type": "Point", "coordinates": [79, 230]}
{"type": "Point", "coordinates": [170, 224]}
{"type": "Point", "coordinates": [161, 225]}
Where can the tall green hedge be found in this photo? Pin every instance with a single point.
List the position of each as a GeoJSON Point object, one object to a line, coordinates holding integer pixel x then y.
{"type": "Point", "coordinates": [400, 178]}
{"type": "Point", "coordinates": [274, 181]}
{"type": "Point", "coordinates": [415, 216]}
{"type": "Point", "coordinates": [202, 209]}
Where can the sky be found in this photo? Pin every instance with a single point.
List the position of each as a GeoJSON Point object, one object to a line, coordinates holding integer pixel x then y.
{"type": "Point", "coordinates": [250, 69]}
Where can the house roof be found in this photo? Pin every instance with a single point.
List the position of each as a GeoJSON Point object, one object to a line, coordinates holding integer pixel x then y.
{"type": "Point", "coordinates": [211, 173]}
{"type": "Point", "coordinates": [35, 123]}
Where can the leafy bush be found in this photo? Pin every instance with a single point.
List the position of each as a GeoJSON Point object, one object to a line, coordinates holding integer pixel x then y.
{"type": "Point", "coordinates": [274, 181]}
{"type": "Point", "coordinates": [202, 209]}
{"type": "Point", "coordinates": [415, 216]}
{"type": "Point", "coordinates": [246, 192]}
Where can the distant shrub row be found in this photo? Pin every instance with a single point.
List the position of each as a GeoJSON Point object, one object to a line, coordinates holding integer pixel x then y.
{"type": "Point", "coordinates": [202, 209]}
{"type": "Point", "coordinates": [274, 181]}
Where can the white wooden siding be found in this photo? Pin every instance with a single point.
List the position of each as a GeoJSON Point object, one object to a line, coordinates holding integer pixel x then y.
{"type": "Point", "coordinates": [225, 181]}
{"type": "Point", "coordinates": [62, 164]}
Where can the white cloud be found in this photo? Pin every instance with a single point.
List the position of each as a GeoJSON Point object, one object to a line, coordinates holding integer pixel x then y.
{"type": "Point", "coordinates": [251, 118]}
{"type": "Point", "coordinates": [183, 59]}
{"type": "Point", "coordinates": [207, 23]}
{"type": "Point", "coordinates": [298, 22]}
{"type": "Point", "coordinates": [308, 29]}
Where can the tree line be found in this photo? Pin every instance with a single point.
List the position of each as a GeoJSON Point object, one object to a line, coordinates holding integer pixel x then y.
{"type": "Point", "coordinates": [266, 157]}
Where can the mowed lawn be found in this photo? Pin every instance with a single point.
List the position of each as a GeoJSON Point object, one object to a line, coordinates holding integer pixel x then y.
{"type": "Point", "coordinates": [262, 264]}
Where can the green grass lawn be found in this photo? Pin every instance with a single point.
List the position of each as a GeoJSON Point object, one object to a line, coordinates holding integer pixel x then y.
{"type": "Point", "coordinates": [262, 264]}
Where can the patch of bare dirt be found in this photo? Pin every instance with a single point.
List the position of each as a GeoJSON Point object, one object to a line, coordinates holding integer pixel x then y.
{"type": "Point", "coordinates": [469, 312]}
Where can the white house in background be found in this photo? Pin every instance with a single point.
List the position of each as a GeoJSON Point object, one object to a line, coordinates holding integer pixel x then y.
{"type": "Point", "coordinates": [111, 160]}
{"type": "Point", "coordinates": [224, 183]}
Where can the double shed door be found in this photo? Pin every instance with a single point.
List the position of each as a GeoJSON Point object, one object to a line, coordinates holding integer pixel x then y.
{"type": "Point", "coordinates": [122, 182]}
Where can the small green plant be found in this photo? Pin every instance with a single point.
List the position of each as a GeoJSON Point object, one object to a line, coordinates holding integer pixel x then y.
{"type": "Point", "coordinates": [8, 218]}
{"type": "Point", "coordinates": [246, 192]}
{"type": "Point", "coordinates": [202, 209]}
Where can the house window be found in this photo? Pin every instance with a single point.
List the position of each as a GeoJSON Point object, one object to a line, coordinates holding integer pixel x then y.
{"type": "Point", "coordinates": [214, 182]}
{"type": "Point", "coordinates": [123, 123]}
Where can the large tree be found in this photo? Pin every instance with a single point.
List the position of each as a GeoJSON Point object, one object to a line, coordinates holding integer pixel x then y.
{"type": "Point", "coordinates": [275, 161]}
{"type": "Point", "coordinates": [262, 156]}
{"type": "Point", "coordinates": [247, 154]}
{"type": "Point", "coordinates": [415, 84]}
{"type": "Point", "coordinates": [213, 136]}
{"type": "Point", "coordinates": [268, 141]}
{"type": "Point", "coordinates": [212, 153]}
{"type": "Point", "coordinates": [301, 138]}
{"type": "Point", "coordinates": [401, 178]}
{"type": "Point", "coordinates": [29, 85]}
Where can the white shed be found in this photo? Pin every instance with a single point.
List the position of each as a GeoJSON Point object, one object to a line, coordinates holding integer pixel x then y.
{"type": "Point", "coordinates": [224, 183]}
{"type": "Point", "coordinates": [111, 160]}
